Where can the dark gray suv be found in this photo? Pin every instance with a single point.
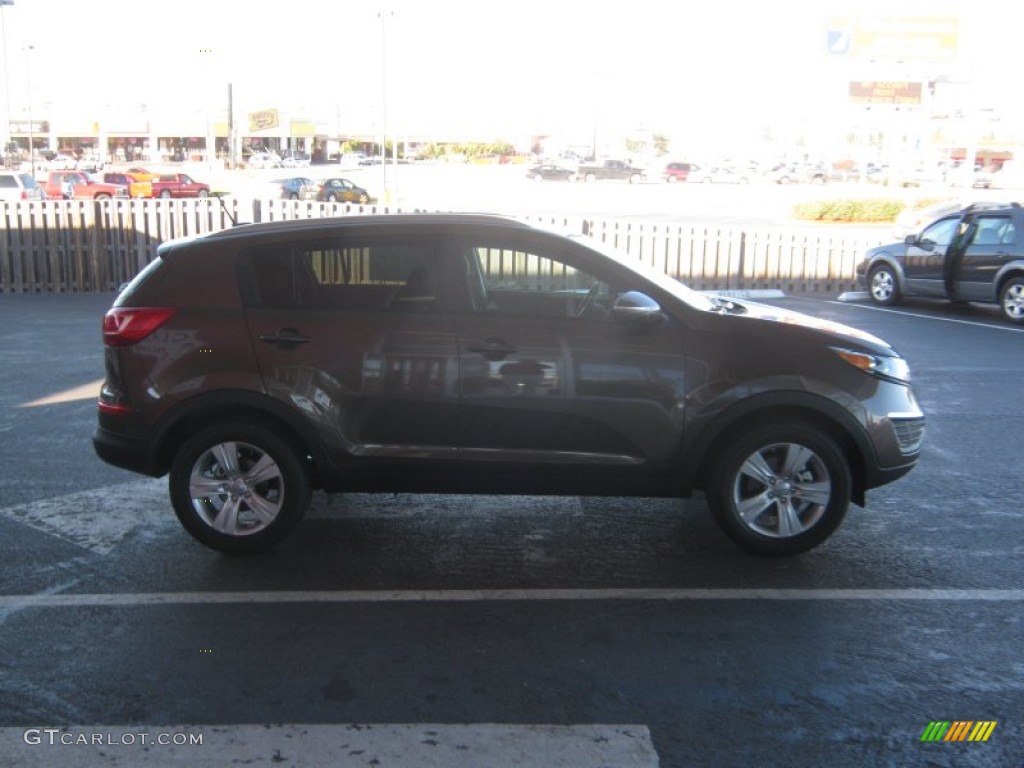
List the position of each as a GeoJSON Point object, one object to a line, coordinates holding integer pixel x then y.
{"type": "Point", "coordinates": [477, 354]}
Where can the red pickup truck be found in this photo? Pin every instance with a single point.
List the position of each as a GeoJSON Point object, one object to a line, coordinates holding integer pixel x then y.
{"type": "Point", "coordinates": [178, 185]}
{"type": "Point", "coordinates": [84, 187]}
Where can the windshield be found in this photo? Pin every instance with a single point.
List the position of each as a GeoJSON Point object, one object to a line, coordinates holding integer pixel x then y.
{"type": "Point", "coordinates": [663, 281]}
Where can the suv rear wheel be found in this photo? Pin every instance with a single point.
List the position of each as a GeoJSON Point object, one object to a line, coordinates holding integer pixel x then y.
{"type": "Point", "coordinates": [780, 489]}
{"type": "Point", "coordinates": [1011, 300]}
{"type": "Point", "coordinates": [238, 488]}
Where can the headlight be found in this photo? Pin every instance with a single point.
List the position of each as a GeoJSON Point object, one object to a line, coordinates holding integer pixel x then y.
{"type": "Point", "coordinates": [891, 368]}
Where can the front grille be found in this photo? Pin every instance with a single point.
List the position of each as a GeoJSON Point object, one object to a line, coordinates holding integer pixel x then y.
{"type": "Point", "coordinates": [909, 433]}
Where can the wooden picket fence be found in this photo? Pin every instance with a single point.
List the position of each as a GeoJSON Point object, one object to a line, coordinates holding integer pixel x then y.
{"type": "Point", "coordinates": [86, 246]}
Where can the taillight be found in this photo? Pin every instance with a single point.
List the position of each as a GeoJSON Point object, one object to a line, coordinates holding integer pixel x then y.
{"type": "Point", "coordinates": [123, 326]}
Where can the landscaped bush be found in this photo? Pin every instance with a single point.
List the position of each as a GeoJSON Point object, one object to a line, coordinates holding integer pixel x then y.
{"type": "Point", "coordinates": [877, 210]}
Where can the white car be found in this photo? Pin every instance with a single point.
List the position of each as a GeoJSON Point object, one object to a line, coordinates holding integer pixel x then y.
{"type": "Point", "coordinates": [264, 160]}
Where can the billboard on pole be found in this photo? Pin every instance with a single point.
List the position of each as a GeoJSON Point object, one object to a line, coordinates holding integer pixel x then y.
{"type": "Point", "coordinates": [889, 37]}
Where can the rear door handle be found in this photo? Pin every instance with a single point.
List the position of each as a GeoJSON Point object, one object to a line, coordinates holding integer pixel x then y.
{"type": "Point", "coordinates": [493, 349]}
{"type": "Point", "coordinates": [286, 337]}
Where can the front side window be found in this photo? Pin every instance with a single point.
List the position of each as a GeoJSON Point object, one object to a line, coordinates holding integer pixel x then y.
{"type": "Point", "coordinates": [940, 233]}
{"type": "Point", "coordinates": [513, 279]}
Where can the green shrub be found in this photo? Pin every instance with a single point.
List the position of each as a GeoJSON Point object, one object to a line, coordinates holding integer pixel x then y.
{"type": "Point", "coordinates": [875, 210]}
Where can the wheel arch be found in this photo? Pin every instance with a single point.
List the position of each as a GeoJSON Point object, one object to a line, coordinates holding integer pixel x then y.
{"type": "Point", "coordinates": [887, 259]}
{"type": "Point", "coordinates": [1009, 271]}
{"type": "Point", "coordinates": [781, 408]}
{"type": "Point", "coordinates": [236, 405]}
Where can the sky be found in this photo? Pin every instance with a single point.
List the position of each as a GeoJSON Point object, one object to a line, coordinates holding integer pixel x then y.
{"type": "Point", "coordinates": [675, 66]}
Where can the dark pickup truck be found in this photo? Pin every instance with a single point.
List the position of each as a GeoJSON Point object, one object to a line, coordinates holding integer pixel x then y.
{"type": "Point", "coordinates": [611, 169]}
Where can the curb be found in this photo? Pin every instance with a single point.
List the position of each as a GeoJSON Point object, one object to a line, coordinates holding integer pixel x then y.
{"type": "Point", "coordinates": [851, 296]}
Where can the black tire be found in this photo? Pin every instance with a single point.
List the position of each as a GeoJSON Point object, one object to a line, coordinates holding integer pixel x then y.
{"type": "Point", "coordinates": [165, 194]}
{"type": "Point", "coordinates": [634, 178]}
{"type": "Point", "coordinates": [364, 199]}
{"type": "Point", "coordinates": [332, 198]}
{"type": "Point", "coordinates": [293, 196]}
{"type": "Point", "coordinates": [102, 196]}
{"type": "Point", "coordinates": [203, 193]}
{"type": "Point", "coordinates": [884, 285]}
{"type": "Point", "coordinates": [796, 469]}
{"type": "Point", "coordinates": [590, 178]}
{"type": "Point", "coordinates": [1011, 300]}
{"type": "Point", "coordinates": [220, 505]}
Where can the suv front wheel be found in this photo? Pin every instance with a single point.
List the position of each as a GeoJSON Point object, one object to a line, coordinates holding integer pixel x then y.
{"type": "Point", "coordinates": [780, 489]}
{"type": "Point", "coordinates": [238, 488]}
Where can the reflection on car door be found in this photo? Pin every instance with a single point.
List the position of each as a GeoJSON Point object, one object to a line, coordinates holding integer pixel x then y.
{"type": "Point", "coordinates": [355, 332]}
{"type": "Point", "coordinates": [925, 261]}
{"type": "Point", "coordinates": [547, 375]}
{"type": "Point", "coordinates": [989, 245]}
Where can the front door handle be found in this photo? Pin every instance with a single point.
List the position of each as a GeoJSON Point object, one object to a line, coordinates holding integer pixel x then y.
{"type": "Point", "coordinates": [286, 337]}
{"type": "Point", "coordinates": [493, 349]}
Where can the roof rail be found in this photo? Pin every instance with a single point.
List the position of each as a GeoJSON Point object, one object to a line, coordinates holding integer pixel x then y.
{"type": "Point", "coordinates": [989, 205]}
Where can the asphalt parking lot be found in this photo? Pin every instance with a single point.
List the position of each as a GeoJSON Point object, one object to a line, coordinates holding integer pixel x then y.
{"type": "Point", "coordinates": [476, 631]}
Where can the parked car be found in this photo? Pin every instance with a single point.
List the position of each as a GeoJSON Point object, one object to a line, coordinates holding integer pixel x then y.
{"type": "Point", "coordinates": [16, 186]}
{"type": "Point", "coordinates": [343, 191]}
{"type": "Point", "coordinates": [81, 186]}
{"type": "Point", "coordinates": [136, 187]}
{"type": "Point", "coordinates": [717, 175]}
{"type": "Point", "coordinates": [610, 169]}
{"type": "Point", "coordinates": [678, 172]}
{"type": "Point", "coordinates": [793, 173]}
{"type": "Point", "coordinates": [296, 188]}
{"type": "Point", "coordinates": [477, 354]}
{"type": "Point", "coordinates": [90, 164]}
{"type": "Point", "coordinates": [974, 254]}
{"type": "Point", "coordinates": [551, 172]}
{"type": "Point", "coordinates": [59, 162]}
{"type": "Point", "coordinates": [295, 160]}
{"type": "Point", "coordinates": [142, 174]}
{"type": "Point", "coordinates": [168, 185]}
{"type": "Point", "coordinates": [264, 160]}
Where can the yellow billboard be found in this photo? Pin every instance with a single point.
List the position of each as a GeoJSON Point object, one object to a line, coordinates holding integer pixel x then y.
{"type": "Point", "coordinates": [894, 37]}
{"type": "Point", "coordinates": [263, 120]}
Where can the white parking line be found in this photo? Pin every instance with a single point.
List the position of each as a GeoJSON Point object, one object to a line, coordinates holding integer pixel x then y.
{"type": "Point", "coordinates": [12, 603]}
{"type": "Point", "coordinates": [483, 745]}
{"type": "Point", "coordinates": [1011, 329]}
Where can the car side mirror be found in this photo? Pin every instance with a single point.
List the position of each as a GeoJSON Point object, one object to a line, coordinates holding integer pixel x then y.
{"type": "Point", "coordinates": [636, 308]}
{"type": "Point", "coordinates": [910, 240]}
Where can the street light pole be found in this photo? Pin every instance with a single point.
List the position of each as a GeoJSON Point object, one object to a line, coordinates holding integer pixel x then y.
{"type": "Point", "coordinates": [7, 82]}
{"type": "Point", "coordinates": [384, 103]}
{"type": "Point", "coordinates": [31, 128]}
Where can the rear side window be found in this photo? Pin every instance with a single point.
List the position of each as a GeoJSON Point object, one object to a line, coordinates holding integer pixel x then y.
{"type": "Point", "coordinates": [366, 275]}
{"type": "Point", "coordinates": [8, 181]}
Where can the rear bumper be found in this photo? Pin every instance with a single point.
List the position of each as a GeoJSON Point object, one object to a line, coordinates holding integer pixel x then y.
{"type": "Point", "coordinates": [125, 452]}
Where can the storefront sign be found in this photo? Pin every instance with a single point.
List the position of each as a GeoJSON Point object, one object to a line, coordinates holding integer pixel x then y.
{"type": "Point", "coordinates": [263, 120]}
{"type": "Point", "coordinates": [881, 92]}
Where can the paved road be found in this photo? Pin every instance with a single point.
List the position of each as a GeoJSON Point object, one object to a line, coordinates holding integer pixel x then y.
{"type": "Point", "coordinates": [424, 630]}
